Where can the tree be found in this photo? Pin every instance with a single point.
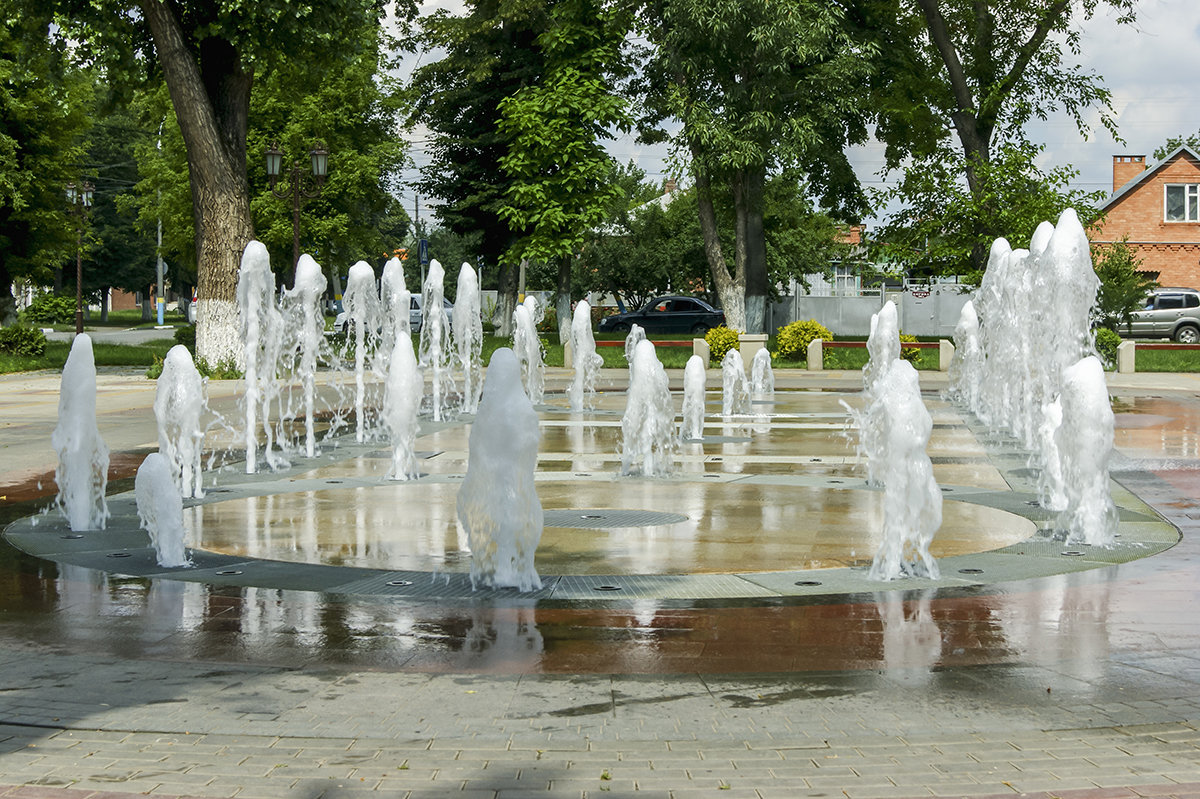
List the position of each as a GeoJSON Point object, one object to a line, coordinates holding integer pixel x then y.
{"type": "Point", "coordinates": [759, 86]}
{"type": "Point", "coordinates": [122, 254]}
{"type": "Point", "coordinates": [209, 53]}
{"type": "Point", "coordinates": [355, 108]}
{"type": "Point", "coordinates": [975, 72]}
{"type": "Point", "coordinates": [554, 129]}
{"type": "Point", "coordinates": [42, 121]}
{"type": "Point", "coordinates": [490, 53]}
{"type": "Point", "coordinates": [938, 228]}
{"type": "Point", "coordinates": [653, 242]}
{"type": "Point", "coordinates": [1175, 142]}
{"type": "Point", "coordinates": [1123, 288]}
{"type": "Point", "coordinates": [649, 242]}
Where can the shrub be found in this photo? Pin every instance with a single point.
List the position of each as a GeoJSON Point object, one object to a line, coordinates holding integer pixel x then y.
{"type": "Point", "coordinates": [186, 336]}
{"type": "Point", "coordinates": [49, 309]}
{"type": "Point", "coordinates": [910, 354]}
{"type": "Point", "coordinates": [1107, 342]}
{"type": "Point", "coordinates": [793, 339]}
{"type": "Point", "coordinates": [720, 341]}
{"type": "Point", "coordinates": [28, 342]}
{"type": "Point", "coordinates": [549, 323]}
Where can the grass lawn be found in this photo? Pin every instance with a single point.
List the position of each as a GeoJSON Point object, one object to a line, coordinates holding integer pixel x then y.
{"type": "Point", "coordinates": [1167, 360]}
{"type": "Point", "coordinates": [105, 354]}
{"type": "Point", "coordinates": [121, 320]}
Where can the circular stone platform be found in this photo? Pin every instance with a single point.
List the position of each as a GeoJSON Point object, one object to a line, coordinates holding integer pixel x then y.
{"type": "Point", "coordinates": [784, 513]}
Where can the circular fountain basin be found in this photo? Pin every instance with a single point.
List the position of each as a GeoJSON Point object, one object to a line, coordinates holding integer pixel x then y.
{"type": "Point", "coordinates": [603, 526]}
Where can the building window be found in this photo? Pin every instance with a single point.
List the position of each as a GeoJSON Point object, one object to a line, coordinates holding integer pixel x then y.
{"type": "Point", "coordinates": [1183, 202]}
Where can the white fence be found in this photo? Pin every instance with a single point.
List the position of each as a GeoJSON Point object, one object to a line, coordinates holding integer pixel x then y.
{"type": "Point", "coordinates": [931, 311]}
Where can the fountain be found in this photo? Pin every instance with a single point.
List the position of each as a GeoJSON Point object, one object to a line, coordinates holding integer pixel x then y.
{"type": "Point", "coordinates": [694, 376]}
{"type": "Point", "coordinates": [178, 404]}
{"type": "Point", "coordinates": [498, 506]}
{"type": "Point", "coordinates": [401, 405]}
{"type": "Point", "coordinates": [1033, 311]}
{"type": "Point", "coordinates": [912, 500]}
{"type": "Point", "coordinates": [648, 439]}
{"type": "Point", "coordinates": [883, 346]}
{"type": "Point", "coordinates": [735, 391]}
{"type": "Point", "coordinates": [82, 472]}
{"type": "Point", "coordinates": [160, 509]}
{"type": "Point", "coordinates": [582, 390]}
{"type": "Point", "coordinates": [528, 349]}
{"type": "Point", "coordinates": [307, 327]}
{"type": "Point", "coordinates": [435, 338]}
{"type": "Point", "coordinates": [967, 364]}
{"type": "Point", "coordinates": [468, 336]}
{"type": "Point", "coordinates": [632, 339]}
{"type": "Point", "coordinates": [1084, 440]}
{"type": "Point", "coordinates": [262, 339]}
{"type": "Point", "coordinates": [395, 302]}
{"type": "Point", "coordinates": [762, 378]}
{"type": "Point", "coordinates": [362, 308]}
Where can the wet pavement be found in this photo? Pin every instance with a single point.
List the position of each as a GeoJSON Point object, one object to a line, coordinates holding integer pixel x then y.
{"type": "Point", "coordinates": [1055, 681]}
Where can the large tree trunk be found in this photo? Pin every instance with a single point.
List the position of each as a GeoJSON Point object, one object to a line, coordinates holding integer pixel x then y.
{"type": "Point", "coordinates": [562, 300]}
{"type": "Point", "coordinates": [211, 95]}
{"type": "Point", "coordinates": [8, 303]}
{"type": "Point", "coordinates": [731, 289]}
{"type": "Point", "coordinates": [506, 299]}
{"type": "Point", "coordinates": [748, 188]}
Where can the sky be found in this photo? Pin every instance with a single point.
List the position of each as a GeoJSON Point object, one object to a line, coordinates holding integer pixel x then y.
{"type": "Point", "coordinates": [1152, 69]}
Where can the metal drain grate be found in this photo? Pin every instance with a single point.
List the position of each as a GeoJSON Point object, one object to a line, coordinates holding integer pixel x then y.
{"type": "Point", "coordinates": [600, 518]}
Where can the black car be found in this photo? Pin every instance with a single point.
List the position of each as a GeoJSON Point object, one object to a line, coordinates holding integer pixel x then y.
{"type": "Point", "coordinates": [667, 315]}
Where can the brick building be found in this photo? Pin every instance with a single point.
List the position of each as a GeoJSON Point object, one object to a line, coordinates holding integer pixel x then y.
{"type": "Point", "coordinates": [1158, 209]}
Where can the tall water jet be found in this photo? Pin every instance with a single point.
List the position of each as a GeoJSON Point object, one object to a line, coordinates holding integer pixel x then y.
{"type": "Point", "coordinates": [435, 337]}
{"type": "Point", "coordinates": [883, 346]}
{"type": "Point", "coordinates": [966, 368]}
{"type": "Point", "coordinates": [762, 377]}
{"type": "Point", "coordinates": [262, 338]}
{"type": "Point", "coordinates": [498, 505]}
{"type": "Point", "coordinates": [1085, 441]}
{"type": "Point", "coordinates": [178, 405]}
{"type": "Point", "coordinates": [582, 390]}
{"type": "Point", "coordinates": [528, 349]}
{"type": "Point", "coordinates": [468, 336]}
{"type": "Point", "coordinates": [160, 510]}
{"type": "Point", "coordinates": [648, 440]}
{"type": "Point", "coordinates": [735, 391]}
{"type": "Point", "coordinates": [82, 472]}
{"type": "Point", "coordinates": [362, 308]}
{"type": "Point", "coordinates": [635, 335]}
{"type": "Point", "coordinates": [694, 377]}
{"type": "Point", "coordinates": [912, 501]}
{"type": "Point", "coordinates": [395, 302]}
{"type": "Point", "coordinates": [308, 326]}
{"type": "Point", "coordinates": [401, 406]}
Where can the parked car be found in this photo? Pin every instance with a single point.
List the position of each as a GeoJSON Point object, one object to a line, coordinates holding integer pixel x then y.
{"type": "Point", "coordinates": [1169, 312]}
{"type": "Point", "coordinates": [343, 323]}
{"type": "Point", "coordinates": [667, 315]}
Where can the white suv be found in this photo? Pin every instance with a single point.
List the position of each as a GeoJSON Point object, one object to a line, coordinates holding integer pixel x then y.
{"type": "Point", "coordinates": [1169, 312]}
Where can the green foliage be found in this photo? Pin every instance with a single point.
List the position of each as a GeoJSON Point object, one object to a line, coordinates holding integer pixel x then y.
{"type": "Point", "coordinates": [1175, 142]}
{"type": "Point", "coordinates": [549, 323]}
{"type": "Point", "coordinates": [50, 309]}
{"type": "Point", "coordinates": [960, 80]}
{"type": "Point", "coordinates": [224, 370]}
{"type": "Point", "coordinates": [21, 340]}
{"type": "Point", "coordinates": [555, 126]}
{"type": "Point", "coordinates": [186, 335]}
{"type": "Point", "coordinates": [1123, 288]}
{"type": "Point", "coordinates": [1107, 342]}
{"type": "Point", "coordinates": [910, 354]}
{"type": "Point", "coordinates": [720, 341]}
{"type": "Point", "coordinates": [43, 113]}
{"type": "Point", "coordinates": [793, 339]}
{"type": "Point", "coordinates": [942, 224]}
